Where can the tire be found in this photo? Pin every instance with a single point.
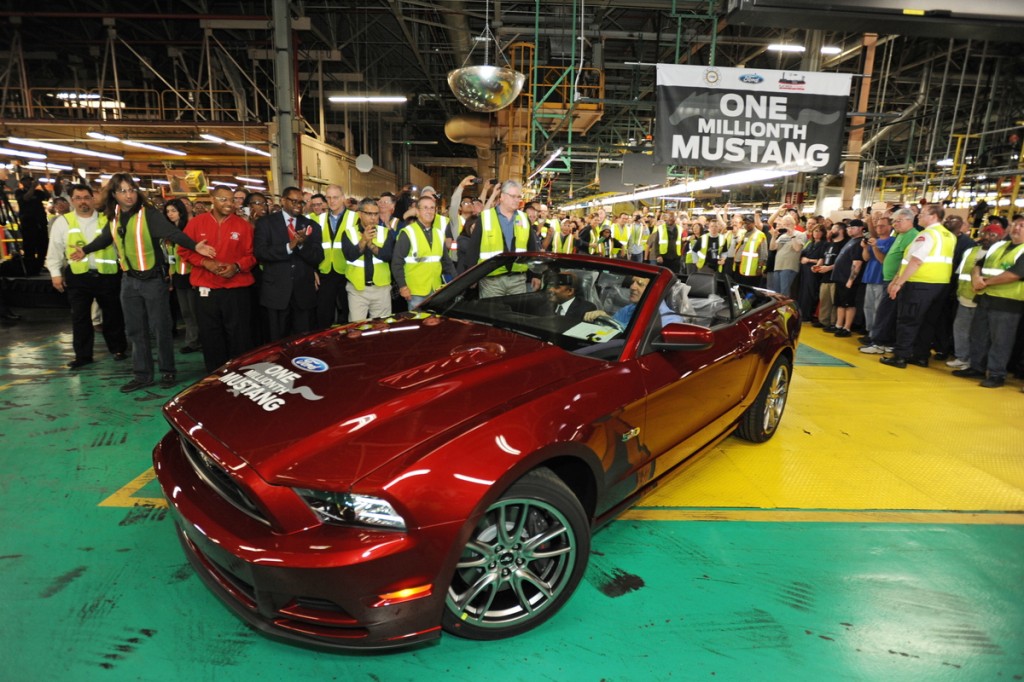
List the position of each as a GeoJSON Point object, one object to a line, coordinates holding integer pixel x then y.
{"type": "Point", "coordinates": [762, 418]}
{"type": "Point", "coordinates": [522, 562]}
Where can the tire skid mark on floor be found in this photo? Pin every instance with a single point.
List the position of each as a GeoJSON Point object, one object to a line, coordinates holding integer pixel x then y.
{"type": "Point", "coordinates": [749, 629]}
{"type": "Point", "coordinates": [142, 513]}
{"type": "Point", "coordinates": [108, 438]}
{"type": "Point", "coordinates": [124, 647]}
{"type": "Point", "coordinates": [611, 580]}
{"type": "Point", "coordinates": [62, 581]}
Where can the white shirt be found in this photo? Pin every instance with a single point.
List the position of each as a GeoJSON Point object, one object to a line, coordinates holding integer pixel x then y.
{"type": "Point", "coordinates": [57, 252]}
{"type": "Point", "coordinates": [920, 248]}
{"type": "Point", "coordinates": [563, 307]}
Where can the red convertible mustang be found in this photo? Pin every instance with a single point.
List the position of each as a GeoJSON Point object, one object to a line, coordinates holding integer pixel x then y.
{"type": "Point", "coordinates": [370, 485]}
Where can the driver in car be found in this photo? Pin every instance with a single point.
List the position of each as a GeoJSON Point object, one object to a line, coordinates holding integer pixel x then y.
{"type": "Point", "coordinates": [562, 294]}
{"type": "Point", "coordinates": [624, 314]}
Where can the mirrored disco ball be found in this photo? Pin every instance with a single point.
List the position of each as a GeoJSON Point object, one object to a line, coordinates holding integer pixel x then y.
{"type": "Point", "coordinates": [486, 88]}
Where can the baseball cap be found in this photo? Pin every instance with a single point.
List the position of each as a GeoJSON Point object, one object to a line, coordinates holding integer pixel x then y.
{"type": "Point", "coordinates": [996, 229]}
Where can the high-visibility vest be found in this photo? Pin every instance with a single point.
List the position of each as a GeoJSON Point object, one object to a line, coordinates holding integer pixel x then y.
{"type": "Point", "coordinates": [1000, 259]}
{"type": "Point", "coordinates": [662, 230]}
{"type": "Point", "coordinates": [105, 259]}
{"type": "Point", "coordinates": [750, 255]}
{"type": "Point", "coordinates": [135, 248]}
{"type": "Point", "coordinates": [964, 288]}
{"type": "Point", "coordinates": [563, 243]}
{"type": "Point", "coordinates": [334, 257]}
{"type": "Point", "coordinates": [492, 241]}
{"type": "Point", "coordinates": [691, 241]}
{"type": "Point", "coordinates": [623, 233]}
{"type": "Point", "coordinates": [937, 266]}
{"type": "Point", "coordinates": [423, 264]}
{"type": "Point", "coordinates": [356, 273]}
{"type": "Point", "coordinates": [177, 266]}
{"type": "Point", "coordinates": [705, 243]}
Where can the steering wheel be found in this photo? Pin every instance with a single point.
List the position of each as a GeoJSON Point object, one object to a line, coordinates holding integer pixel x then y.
{"type": "Point", "coordinates": [609, 321]}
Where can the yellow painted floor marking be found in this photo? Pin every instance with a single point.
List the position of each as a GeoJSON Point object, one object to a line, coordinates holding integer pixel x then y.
{"type": "Point", "coordinates": [125, 496]}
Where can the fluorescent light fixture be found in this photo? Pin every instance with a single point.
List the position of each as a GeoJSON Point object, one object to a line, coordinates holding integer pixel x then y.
{"type": "Point", "coordinates": [154, 147]}
{"type": "Point", "coordinates": [237, 145]}
{"type": "Point", "coordinates": [687, 188]}
{"type": "Point", "coordinates": [160, 182]}
{"type": "Point", "coordinates": [944, 163]}
{"type": "Point", "coordinates": [831, 49]}
{"type": "Point", "coordinates": [77, 95]}
{"type": "Point", "coordinates": [255, 188]}
{"type": "Point", "coordinates": [4, 151]}
{"type": "Point", "coordinates": [131, 143]}
{"type": "Point", "coordinates": [255, 181]}
{"type": "Point", "coordinates": [368, 99]}
{"type": "Point", "coordinates": [777, 47]}
{"type": "Point", "coordinates": [45, 164]}
{"type": "Point", "coordinates": [63, 148]}
{"type": "Point", "coordinates": [554, 155]}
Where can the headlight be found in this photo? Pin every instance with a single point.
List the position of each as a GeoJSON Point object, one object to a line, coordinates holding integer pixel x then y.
{"type": "Point", "coordinates": [347, 509]}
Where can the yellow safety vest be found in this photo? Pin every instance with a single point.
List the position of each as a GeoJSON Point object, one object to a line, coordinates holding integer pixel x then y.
{"type": "Point", "coordinates": [334, 257]}
{"type": "Point", "coordinates": [623, 233]}
{"type": "Point", "coordinates": [937, 266]}
{"type": "Point", "coordinates": [750, 257]}
{"type": "Point", "coordinates": [662, 230]}
{"type": "Point", "coordinates": [492, 241]}
{"type": "Point", "coordinates": [105, 259]}
{"type": "Point", "coordinates": [964, 288]}
{"type": "Point", "coordinates": [356, 268]}
{"type": "Point", "coordinates": [135, 249]}
{"type": "Point", "coordinates": [564, 243]}
{"type": "Point", "coordinates": [1000, 259]}
{"type": "Point", "coordinates": [705, 242]}
{"type": "Point", "coordinates": [423, 264]}
{"type": "Point", "coordinates": [177, 266]}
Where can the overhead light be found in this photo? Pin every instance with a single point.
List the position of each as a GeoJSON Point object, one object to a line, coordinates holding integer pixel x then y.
{"type": "Point", "coordinates": [686, 188]}
{"type": "Point", "coordinates": [237, 145]}
{"type": "Point", "coordinates": [131, 143]}
{"type": "Point", "coordinates": [4, 151]}
{"type": "Point", "coordinates": [160, 182]}
{"type": "Point", "coordinates": [830, 49]}
{"type": "Point", "coordinates": [63, 148]}
{"type": "Point", "coordinates": [47, 164]}
{"type": "Point", "coordinates": [554, 155]}
{"type": "Point", "coordinates": [368, 99]}
{"type": "Point", "coordinates": [777, 47]}
{"type": "Point", "coordinates": [256, 181]}
{"type": "Point", "coordinates": [944, 163]}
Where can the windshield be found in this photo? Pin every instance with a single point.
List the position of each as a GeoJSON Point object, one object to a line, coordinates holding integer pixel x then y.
{"type": "Point", "coordinates": [583, 306]}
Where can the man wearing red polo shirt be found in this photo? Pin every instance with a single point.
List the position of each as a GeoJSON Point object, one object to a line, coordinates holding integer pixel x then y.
{"type": "Point", "coordinates": [222, 283]}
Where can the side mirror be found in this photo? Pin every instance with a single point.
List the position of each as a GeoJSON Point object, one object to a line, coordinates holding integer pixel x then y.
{"type": "Point", "coordinates": [681, 336]}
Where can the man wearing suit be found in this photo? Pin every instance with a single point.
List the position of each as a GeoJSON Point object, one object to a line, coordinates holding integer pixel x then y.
{"type": "Point", "coordinates": [562, 293]}
{"type": "Point", "coordinates": [289, 246]}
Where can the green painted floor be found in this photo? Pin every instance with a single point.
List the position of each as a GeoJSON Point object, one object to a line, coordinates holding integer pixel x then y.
{"type": "Point", "coordinates": [96, 592]}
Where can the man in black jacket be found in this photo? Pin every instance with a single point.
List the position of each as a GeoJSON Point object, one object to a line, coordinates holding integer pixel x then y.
{"type": "Point", "coordinates": [289, 246]}
{"type": "Point", "coordinates": [563, 294]}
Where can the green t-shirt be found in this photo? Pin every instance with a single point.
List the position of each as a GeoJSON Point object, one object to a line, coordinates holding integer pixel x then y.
{"type": "Point", "coordinates": [893, 259]}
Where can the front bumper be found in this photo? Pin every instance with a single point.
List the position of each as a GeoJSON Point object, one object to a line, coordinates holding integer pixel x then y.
{"type": "Point", "coordinates": [320, 585]}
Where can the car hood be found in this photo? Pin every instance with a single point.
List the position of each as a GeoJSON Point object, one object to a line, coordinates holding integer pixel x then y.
{"type": "Point", "coordinates": [328, 409]}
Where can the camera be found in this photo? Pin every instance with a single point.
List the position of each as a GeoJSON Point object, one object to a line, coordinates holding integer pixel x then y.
{"type": "Point", "coordinates": [494, 181]}
{"type": "Point", "coordinates": [475, 181]}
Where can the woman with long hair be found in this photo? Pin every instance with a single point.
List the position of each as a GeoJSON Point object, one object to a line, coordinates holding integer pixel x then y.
{"type": "Point", "coordinates": [178, 215]}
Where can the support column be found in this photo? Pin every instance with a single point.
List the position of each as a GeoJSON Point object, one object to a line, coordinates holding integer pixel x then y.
{"type": "Point", "coordinates": [284, 77]}
{"type": "Point", "coordinates": [852, 167]}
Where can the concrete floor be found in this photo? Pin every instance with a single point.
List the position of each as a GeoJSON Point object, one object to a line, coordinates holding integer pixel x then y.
{"type": "Point", "coordinates": [878, 536]}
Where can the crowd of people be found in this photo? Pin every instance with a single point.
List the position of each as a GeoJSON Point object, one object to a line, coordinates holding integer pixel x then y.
{"type": "Point", "coordinates": [239, 269]}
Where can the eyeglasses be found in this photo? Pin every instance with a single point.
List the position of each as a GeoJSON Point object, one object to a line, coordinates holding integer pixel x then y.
{"type": "Point", "coordinates": [370, 213]}
{"type": "Point", "coordinates": [517, 197]}
{"type": "Point", "coordinates": [257, 203]}
{"type": "Point", "coordinates": [126, 190]}
{"type": "Point", "coordinates": [223, 200]}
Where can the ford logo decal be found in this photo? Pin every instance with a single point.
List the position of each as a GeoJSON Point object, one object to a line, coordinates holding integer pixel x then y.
{"type": "Point", "coordinates": [751, 78]}
{"type": "Point", "coordinates": [310, 364]}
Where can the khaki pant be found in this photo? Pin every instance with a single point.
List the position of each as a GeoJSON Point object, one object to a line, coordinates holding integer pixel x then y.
{"type": "Point", "coordinates": [371, 302]}
{"type": "Point", "coordinates": [826, 309]}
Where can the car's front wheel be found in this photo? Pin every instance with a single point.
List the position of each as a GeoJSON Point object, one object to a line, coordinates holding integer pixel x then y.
{"type": "Point", "coordinates": [522, 562]}
{"type": "Point", "coordinates": [762, 418]}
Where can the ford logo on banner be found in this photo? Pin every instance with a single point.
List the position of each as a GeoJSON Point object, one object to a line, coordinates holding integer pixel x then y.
{"type": "Point", "coordinates": [751, 78]}
{"type": "Point", "coordinates": [310, 364]}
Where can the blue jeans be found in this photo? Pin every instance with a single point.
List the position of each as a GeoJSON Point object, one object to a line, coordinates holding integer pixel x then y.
{"type": "Point", "coordinates": [147, 309]}
{"type": "Point", "coordinates": [962, 332]}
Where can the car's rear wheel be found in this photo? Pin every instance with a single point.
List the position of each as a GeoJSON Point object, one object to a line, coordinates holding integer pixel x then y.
{"type": "Point", "coordinates": [762, 418]}
{"type": "Point", "coordinates": [522, 562]}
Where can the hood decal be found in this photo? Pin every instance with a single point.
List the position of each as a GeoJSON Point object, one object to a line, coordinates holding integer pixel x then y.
{"type": "Point", "coordinates": [266, 384]}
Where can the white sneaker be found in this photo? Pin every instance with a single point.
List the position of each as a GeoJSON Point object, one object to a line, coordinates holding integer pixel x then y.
{"type": "Point", "coordinates": [957, 364]}
{"type": "Point", "coordinates": [888, 349]}
{"type": "Point", "coordinates": [872, 350]}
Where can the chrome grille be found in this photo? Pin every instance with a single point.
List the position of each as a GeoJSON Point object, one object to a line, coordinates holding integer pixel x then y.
{"type": "Point", "coordinates": [218, 479]}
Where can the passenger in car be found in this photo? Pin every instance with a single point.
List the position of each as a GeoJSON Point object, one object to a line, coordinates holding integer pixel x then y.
{"type": "Point", "coordinates": [624, 314]}
{"type": "Point", "coordinates": [562, 293]}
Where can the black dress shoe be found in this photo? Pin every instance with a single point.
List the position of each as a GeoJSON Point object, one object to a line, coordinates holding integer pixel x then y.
{"type": "Point", "coordinates": [815, 323]}
{"type": "Point", "coordinates": [119, 356]}
{"type": "Point", "coordinates": [968, 373]}
{"type": "Point", "coordinates": [894, 361]}
{"type": "Point", "coordinates": [185, 350]}
{"type": "Point", "coordinates": [831, 329]}
{"type": "Point", "coordinates": [865, 340]}
{"type": "Point", "coordinates": [941, 356]}
{"type": "Point", "coordinates": [10, 316]}
{"type": "Point", "coordinates": [168, 380]}
{"type": "Point", "coordinates": [919, 362]}
{"type": "Point", "coordinates": [135, 384]}
{"type": "Point", "coordinates": [79, 362]}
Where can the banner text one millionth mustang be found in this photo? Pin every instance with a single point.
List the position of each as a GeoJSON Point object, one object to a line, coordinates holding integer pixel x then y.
{"type": "Point", "coordinates": [720, 117]}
